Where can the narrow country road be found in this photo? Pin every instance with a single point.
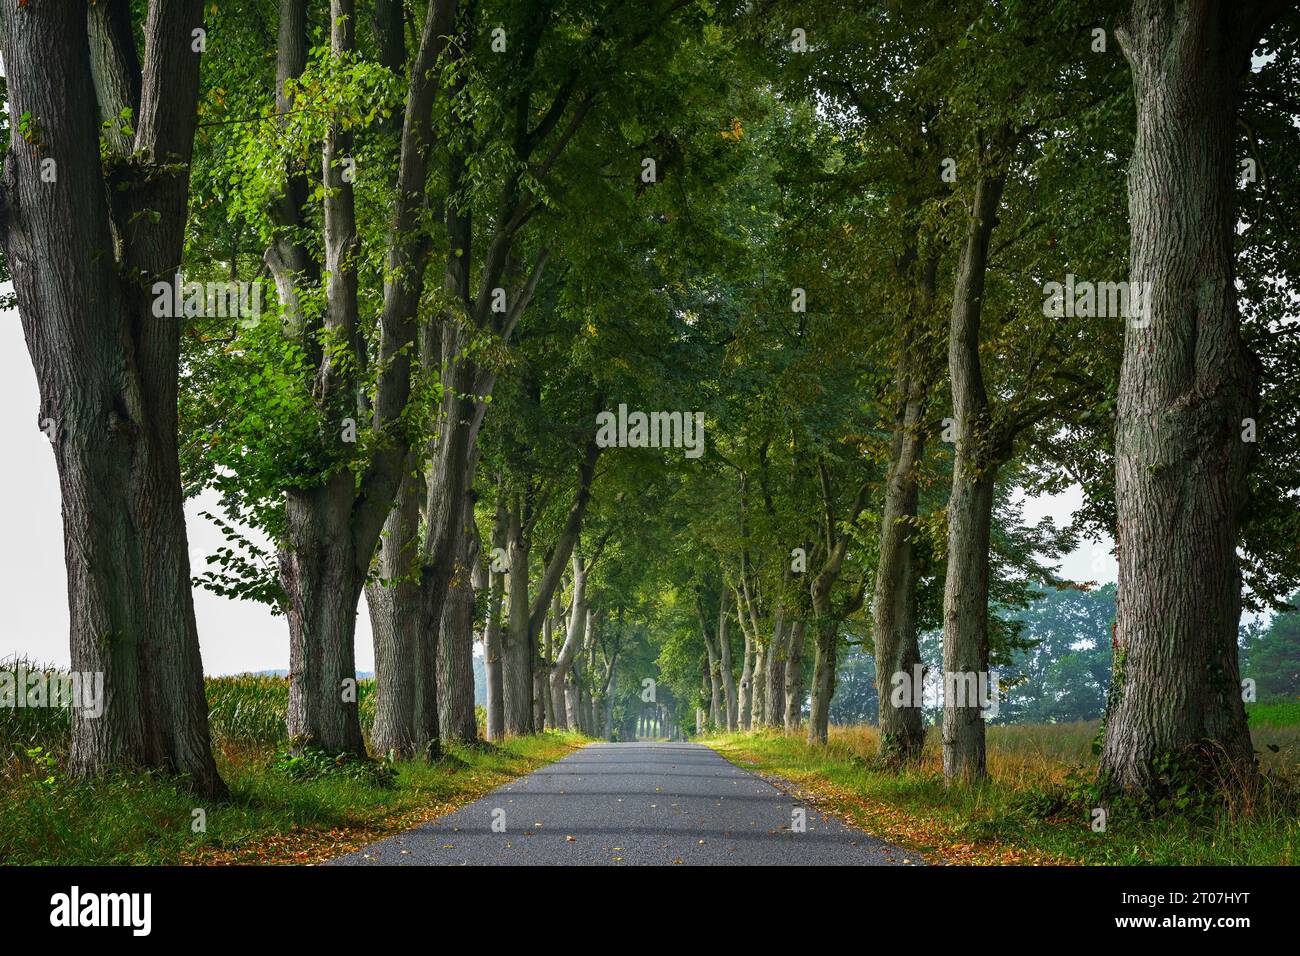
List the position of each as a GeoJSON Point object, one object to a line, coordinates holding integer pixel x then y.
{"type": "Point", "coordinates": [639, 804]}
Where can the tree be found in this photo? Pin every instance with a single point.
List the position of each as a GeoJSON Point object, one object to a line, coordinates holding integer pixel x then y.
{"type": "Point", "coordinates": [1064, 676]}
{"type": "Point", "coordinates": [89, 240]}
{"type": "Point", "coordinates": [1187, 387]}
{"type": "Point", "coordinates": [1271, 657]}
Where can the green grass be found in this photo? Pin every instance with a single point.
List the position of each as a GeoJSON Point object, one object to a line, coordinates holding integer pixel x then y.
{"type": "Point", "coordinates": [140, 818]}
{"type": "Point", "coordinates": [1278, 713]}
{"type": "Point", "coordinates": [135, 818]}
{"type": "Point", "coordinates": [1034, 809]}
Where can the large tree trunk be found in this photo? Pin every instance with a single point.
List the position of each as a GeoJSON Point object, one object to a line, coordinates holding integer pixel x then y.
{"type": "Point", "coordinates": [793, 717]}
{"type": "Point", "coordinates": [826, 640]}
{"type": "Point", "coordinates": [724, 658]}
{"type": "Point", "coordinates": [320, 575]}
{"type": "Point", "coordinates": [517, 670]}
{"type": "Point", "coordinates": [321, 569]}
{"type": "Point", "coordinates": [965, 646]}
{"type": "Point", "coordinates": [717, 717]}
{"type": "Point", "coordinates": [106, 366]}
{"type": "Point", "coordinates": [456, 644]}
{"type": "Point", "coordinates": [1187, 383]}
{"type": "Point", "coordinates": [970, 504]}
{"type": "Point", "coordinates": [394, 604]}
{"type": "Point", "coordinates": [774, 711]}
{"type": "Point", "coordinates": [333, 527]}
{"type": "Point", "coordinates": [893, 608]}
{"type": "Point", "coordinates": [745, 704]}
{"type": "Point", "coordinates": [561, 674]}
{"type": "Point", "coordinates": [429, 598]}
{"type": "Point", "coordinates": [492, 635]}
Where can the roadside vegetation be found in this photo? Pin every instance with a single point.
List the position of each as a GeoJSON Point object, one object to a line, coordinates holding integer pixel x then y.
{"type": "Point", "coordinates": [1037, 805]}
{"type": "Point", "coordinates": [282, 808]}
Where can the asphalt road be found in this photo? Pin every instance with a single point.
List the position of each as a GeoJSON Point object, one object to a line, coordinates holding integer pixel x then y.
{"type": "Point", "coordinates": [641, 804]}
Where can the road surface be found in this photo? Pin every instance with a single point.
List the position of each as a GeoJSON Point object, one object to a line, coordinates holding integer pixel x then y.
{"type": "Point", "coordinates": [635, 804]}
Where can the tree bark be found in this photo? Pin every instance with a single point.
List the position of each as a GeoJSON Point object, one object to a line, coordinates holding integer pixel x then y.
{"type": "Point", "coordinates": [492, 650]}
{"type": "Point", "coordinates": [826, 637]}
{"type": "Point", "coordinates": [1187, 384]}
{"type": "Point", "coordinates": [970, 504]}
{"type": "Point", "coordinates": [793, 718]}
{"type": "Point", "coordinates": [333, 526]}
{"type": "Point", "coordinates": [561, 675]}
{"type": "Point", "coordinates": [106, 367]}
{"type": "Point", "coordinates": [716, 714]}
{"type": "Point", "coordinates": [322, 568]}
{"type": "Point", "coordinates": [724, 658]}
{"type": "Point", "coordinates": [456, 644]}
{"type": "Point", "coordinates": [517, 669]}
{"type": "Point", "coordinates": [393, 602]}
{"type": "Point", "coordinates": [747, 607]}
{"type": "Point", "coordinates": [893, 608]}
{"type": "Point", "coordinates": [745, 703]}
{"type": "Point", "coordinates": [774, 711]}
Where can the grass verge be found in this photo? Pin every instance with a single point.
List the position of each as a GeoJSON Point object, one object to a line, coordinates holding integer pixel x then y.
{"type": "Point", "coordinates": [1032, 810]}
{"type": "Point", "coordinates": [140, 819]}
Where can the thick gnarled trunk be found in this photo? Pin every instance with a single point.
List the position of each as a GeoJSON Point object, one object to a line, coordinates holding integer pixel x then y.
{"type": "Point", "coordinates": [456, 644]}
{"type": "Point", "coordinates": [334, 527]}
{"type": "Point", "coordinates": [322, 581]}
{"type": "Point", "coordinates": [1187, 384]}
{"type": "Point", "coordinates": [395, 619]}
{"type": "Point", "coordinates": [106, 367]}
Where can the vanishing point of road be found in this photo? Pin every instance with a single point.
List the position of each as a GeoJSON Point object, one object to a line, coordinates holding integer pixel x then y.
{"type": "Point", "coordinates": [635, 804]}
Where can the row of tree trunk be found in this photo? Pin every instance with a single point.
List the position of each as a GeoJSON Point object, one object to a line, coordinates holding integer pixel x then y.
{"type": "Point", "coordinates": [1188, 384]}
{"type": "Point", "coordinates": [84, 268]}
{"type": "Point", "coordinates": [770, 692]}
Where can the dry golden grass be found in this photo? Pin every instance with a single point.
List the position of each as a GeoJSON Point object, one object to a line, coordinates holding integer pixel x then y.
{"type": "Point", "coordinates": [1033, 809]}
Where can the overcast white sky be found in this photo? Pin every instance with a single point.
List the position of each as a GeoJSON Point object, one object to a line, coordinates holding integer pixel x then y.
{"type": "Point", "coordinates": [235, 636]}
